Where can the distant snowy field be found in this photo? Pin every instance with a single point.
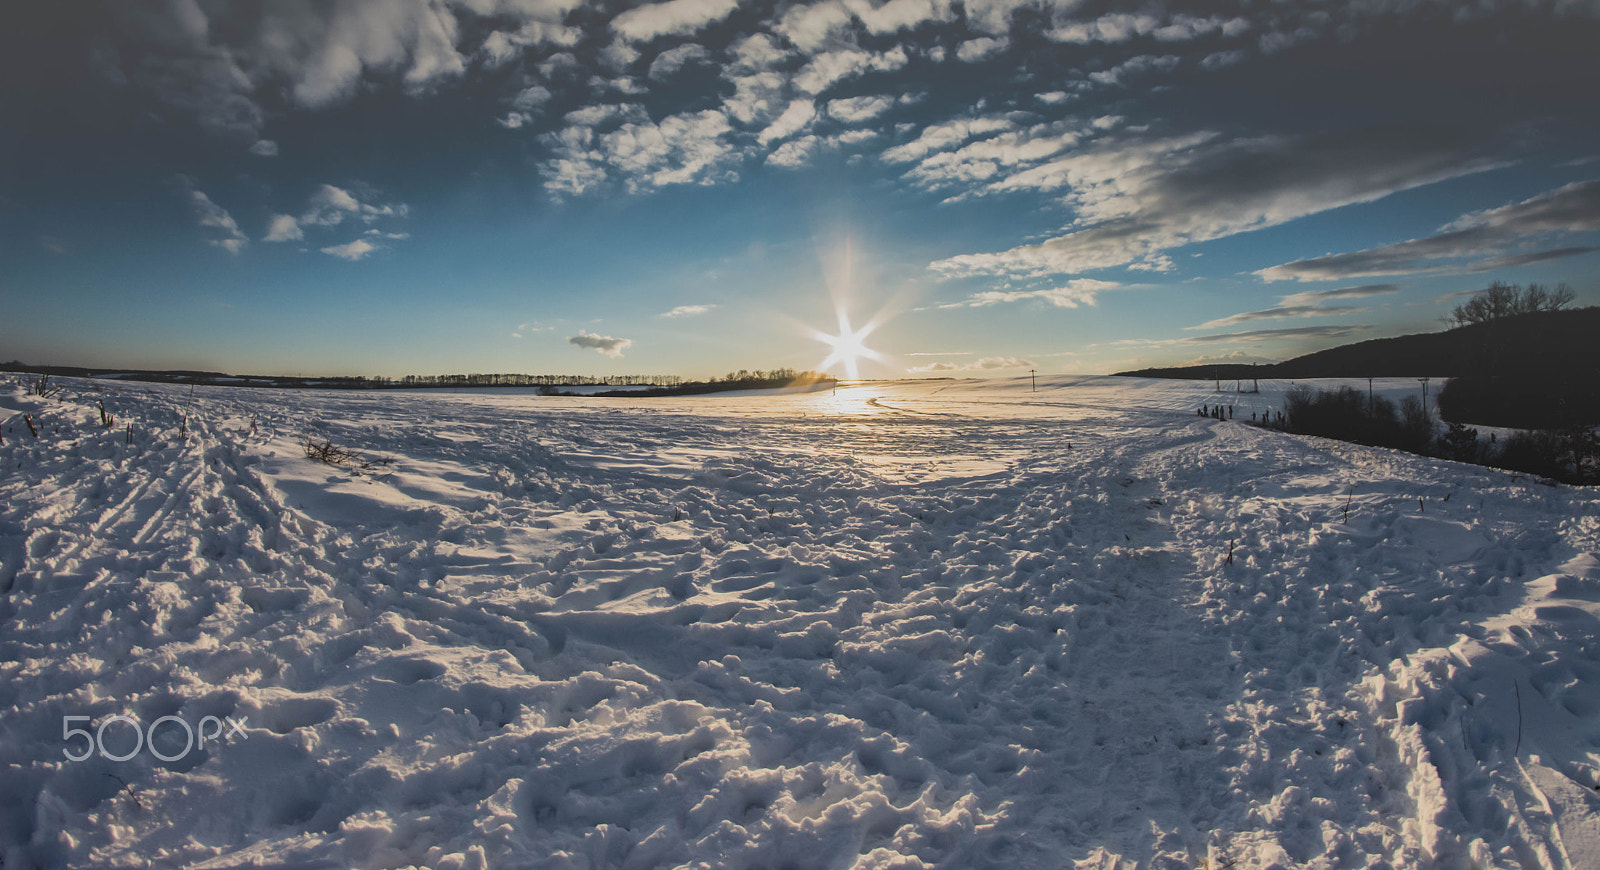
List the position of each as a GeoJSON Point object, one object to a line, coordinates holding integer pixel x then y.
{"type": "Point", "coordinates": [926, 623]}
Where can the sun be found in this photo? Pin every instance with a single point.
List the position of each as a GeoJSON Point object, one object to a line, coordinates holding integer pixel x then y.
{"type": "Point", "coordinates": [849, 347]}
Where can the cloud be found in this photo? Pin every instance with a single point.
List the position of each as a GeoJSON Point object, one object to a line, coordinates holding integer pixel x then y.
{"type": "Point", "coordinates": [1317, 297]}
{"type": "Point", "coordinates": [1237, 357]}
{"type": "Point", "coordinates": [793, 155]}
{"type": "Point", "coordinates": [1573, 208]}
{"type": "Point", "coordinates": [213, 217]}
{"type": "Point", "coordinates": [1080, 291]}
{"type": "Point", "coordinates": [938, 137]}
{"type": "Point", "coordinates": [675, 17]}
{"type": "Point", "coordinates": [793, 120]}
{"type": "Point", "coordinates": [854, 110]}
{"type": "Point", "coordinates": [1507, 261]}
{"type": "Point", "coordinates": [330, 205]}
{"type": "Point", "coordinates": [670, 61]}
{"type": "Point", "coordinates": [686, 311]}
{"type": "Point", "coordinates": [264, 148]}
{"type": "Point", "coordinates": [1293, 332]}
{"type": "Point", "coordinates": [611, 347]}
{"type": "Point", "coordinates": [524, 329]}
{"type": "Point", "coordinates": [1136, 198]}
{"type": "Point", "coordinates": [1279, 312]}
{"type": "Point", "coordinates": [283, 228]}
{"type": "Point", "coordinates": [1135, 66]}
{"type": "Point", "coordinates": [211, 60]}
{"type": "Point", "coordinates": [351, 251]}
{"type": "Point", "coordinates": [974, 50]}
{"type": "Point", "coordinates": [986, 364]}
{"type": "Point", "coordinates": [829, 68]}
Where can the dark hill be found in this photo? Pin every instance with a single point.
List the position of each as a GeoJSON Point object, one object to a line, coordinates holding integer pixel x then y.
{"type": "Point", "coordinates": [1549, 341]}
{"type": "Point", "coordinates": [1531, 371]}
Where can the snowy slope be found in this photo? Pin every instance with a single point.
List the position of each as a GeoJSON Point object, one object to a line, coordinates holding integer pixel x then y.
{"type": "Point", "coordinates": [939, 623]}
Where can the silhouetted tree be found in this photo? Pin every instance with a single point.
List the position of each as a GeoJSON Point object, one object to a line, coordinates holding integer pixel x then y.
{"type": "Point", "coordinates": [1501, 300]}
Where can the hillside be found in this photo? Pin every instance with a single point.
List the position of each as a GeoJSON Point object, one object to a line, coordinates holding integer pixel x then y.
{"type": "Point", "coordinates": [1555, 341]}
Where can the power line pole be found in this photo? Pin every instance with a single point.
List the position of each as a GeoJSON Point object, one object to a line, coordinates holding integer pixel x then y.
{"type": "Point", "coordinates": [1034, 380]}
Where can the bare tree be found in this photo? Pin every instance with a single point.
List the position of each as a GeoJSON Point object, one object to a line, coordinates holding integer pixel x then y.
{"type": "Point", "coordinates": [1502, 300]}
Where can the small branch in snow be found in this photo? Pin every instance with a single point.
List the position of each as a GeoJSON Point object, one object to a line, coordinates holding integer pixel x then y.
{"type": "Point", "coordinates": [127, 788]}
{"type": "Point", "coordinates": [1518, 750]}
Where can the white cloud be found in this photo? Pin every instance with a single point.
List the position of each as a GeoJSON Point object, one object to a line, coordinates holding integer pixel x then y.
{"type": "Point", "coordinates": [1135, 66]}
{"type": "Point", "coordinates": [756, 52]}
{"type": "Point", "coordinates": [1121, 26]}
{"type": "Point", "coordinates": [1220, 59]}
{"type": "Point", "coordinates": [1280, 312]}
{"type": "Point", "coordinates": [986, 364]}
{"type": "Point", "coordinates": [793, 120]}
{"type": "Point", "coordinates": [688, 148]}
{"type": "Point", "coordinates": [1490, 233]}
{"type": "Point", "coordinates": [1260, 335]}
{"type": "Point", "coordinates": [993, 16]}
{"type": "Point", "coordinates": [686, 311]}
{"type": "Point", "coordinates": [670, 61]}
{"type": "Point", "coordinates": [330, 205]}
{"type": "Point", "coordinates": [854, 110]}
{"type": "Point", "coordinates": [829, 68]}
{"type": "Point", "coordinates": [809, 27]}
{"type": "Point", "coordinates": [974, 50]}
{"type": "Point", "coordinates": [283, 228]}
{"type": "Point", "coordinates": [937, 137]}
{"type": "Point", "coordinates": [214, 217]}
{"type": "Point", "coordinates": [793, 155]}
{"type": "Point", "coordinates": [605, 344]}
{"type": "Point", "coordinates": [1137, 198]}
{"type": "Point", "coordinates": [1072, 294]}
{"type": "Point", "coordinates": [264, 148]}
{"type": "Point", "coordinates": [674, 17]}
{"type": "Point", "coordinates": [1317, 297]}
{"type": "Point", "coordinates": [351, 251]}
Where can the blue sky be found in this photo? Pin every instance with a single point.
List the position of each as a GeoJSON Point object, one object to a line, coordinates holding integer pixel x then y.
{"type": "Point", "coordinates": [696, 186]}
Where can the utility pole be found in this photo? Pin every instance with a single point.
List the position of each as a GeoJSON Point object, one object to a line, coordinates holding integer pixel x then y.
{"type": "Point", "coordinates": [1424, 382]}
{"type": "Point", "coordinates": [1034, 380]}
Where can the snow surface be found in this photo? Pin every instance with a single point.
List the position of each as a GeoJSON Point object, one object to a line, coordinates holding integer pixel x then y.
{"type": "Point", "coordinates": [921, 623]}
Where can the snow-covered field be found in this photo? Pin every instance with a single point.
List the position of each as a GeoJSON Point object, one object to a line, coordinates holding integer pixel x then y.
{"type": "Point", "coordinates": [951, 623]}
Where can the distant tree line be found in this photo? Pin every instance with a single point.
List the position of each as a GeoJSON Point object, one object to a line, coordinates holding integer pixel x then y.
{"type": "Point", "coordinates": [743, 379]}
{"type": "Point", "coordinates": [521, 380]}
{"type": "Point", "coordinates": [1570, 454]}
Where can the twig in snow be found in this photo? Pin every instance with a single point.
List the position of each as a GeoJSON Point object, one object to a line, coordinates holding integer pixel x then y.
{"type": "Point", "coordinates": [28, 418]}
{"type": "Point", "coordinates": [326, 451]}
{"type": "Point", "coordinates": [1347, 496]}
{"type": "Point", "coordinates": [127, 788]}
{"type": "Point", "coordinates": [183, 429]}
{"type": "Point", "coordinates": [1229, 560]}
{"type": "Point", "coordinates": [1518, 688]}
